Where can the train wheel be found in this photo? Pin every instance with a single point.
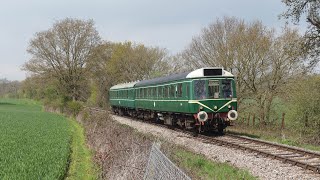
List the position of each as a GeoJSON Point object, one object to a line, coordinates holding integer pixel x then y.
{"type": "Point", "coordinates": [171, 123]}
{"type": "Point", "coordinates": [195, 131]}
{"type": "Point", "coordinates": [220, 129]}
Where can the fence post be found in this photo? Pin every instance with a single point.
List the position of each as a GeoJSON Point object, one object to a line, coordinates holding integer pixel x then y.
{"type": "Point", "coordinates": [253, 119]}
{"type": "Point", "coordinates": [249, 120]}
{"type": "Point", "coordinates": [282, 121]}
{"type": "Point", "coordinates": [262, 119]}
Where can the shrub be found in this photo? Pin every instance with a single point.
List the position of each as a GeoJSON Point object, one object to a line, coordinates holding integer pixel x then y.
{"type": "Point", "coordinates": [74, 107]}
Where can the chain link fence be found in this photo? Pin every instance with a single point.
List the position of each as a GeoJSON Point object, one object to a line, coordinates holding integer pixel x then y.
{"type": "Point", "coordinates": [159, 167]}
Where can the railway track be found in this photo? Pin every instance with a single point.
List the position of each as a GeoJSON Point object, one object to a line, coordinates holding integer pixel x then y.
{"type": "Point", "coordinates": [295, 156]}
{"type": "Point", "coordinates": [287, 154]}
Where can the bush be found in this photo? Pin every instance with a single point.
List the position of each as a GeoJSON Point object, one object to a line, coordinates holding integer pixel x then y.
{"type": "Point", "coordinates": [120, 151]}
{"type": "Point", "coordinates": [74, 107]}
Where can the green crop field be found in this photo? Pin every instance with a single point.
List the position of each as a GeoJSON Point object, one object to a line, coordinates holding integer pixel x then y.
{"type": "Point", "coordinates": [33, 144]}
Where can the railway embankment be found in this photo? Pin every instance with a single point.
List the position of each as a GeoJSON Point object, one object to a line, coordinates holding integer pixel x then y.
{"type": "Point", "coordinates": [258, 165]}
{"type": "Point", "coordinates": [122, 152]}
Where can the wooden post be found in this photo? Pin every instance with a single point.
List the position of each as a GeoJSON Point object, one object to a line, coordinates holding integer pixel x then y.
{"type": "Point", "coordinates": [262, 119]}
{"type": "Point", "coordinates": [253, 119]}
{"type": "Point", "coordinates": [249, 120]}
{"type": "Point", "coordinates": [282, 121]}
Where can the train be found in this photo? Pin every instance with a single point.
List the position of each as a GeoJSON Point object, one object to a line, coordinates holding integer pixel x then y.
{"type": "Point", "coordinates": [202, 100]}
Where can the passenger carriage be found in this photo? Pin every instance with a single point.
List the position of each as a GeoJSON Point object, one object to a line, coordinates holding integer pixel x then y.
{"type": "Point", "coordinates": [203, 100]}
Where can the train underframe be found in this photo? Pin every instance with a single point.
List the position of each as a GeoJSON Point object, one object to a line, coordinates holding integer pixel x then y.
{"type": "Point", "coordinates": [215, 123]}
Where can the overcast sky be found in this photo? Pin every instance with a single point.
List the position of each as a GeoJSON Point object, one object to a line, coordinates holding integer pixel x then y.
{"type": "Point", "coordinates": [169, 24]}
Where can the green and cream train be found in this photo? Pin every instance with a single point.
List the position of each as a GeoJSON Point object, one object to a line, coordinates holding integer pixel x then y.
{"type": "Point", "coordinates": [203, 100]}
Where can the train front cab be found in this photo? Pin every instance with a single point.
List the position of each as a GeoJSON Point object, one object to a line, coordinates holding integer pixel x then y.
{"type": "Point", "coordinates": [214, 103]}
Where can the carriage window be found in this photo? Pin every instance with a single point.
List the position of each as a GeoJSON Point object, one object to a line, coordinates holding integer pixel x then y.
{"type": "Point", "coordinates": [179, 90]}
{"type": "Point", "coordinates": [200, 89]}
{"type": "Point", "coordinates": [226, 88]}
{"type": "Point", "coordinates": [187, 90]}
{"type": "Point", "coordinates": [172, 91]}
{"type": "Point", "coordinates": [162, 91]}
{"type": "Point", "coordinates": [213, 87]}
{"type": "Point", "coordinates": [165, 91]}
{"type": "Point", "coordinates": [159, 91]}
{"type": "Point", "coordinates": [155, 92]}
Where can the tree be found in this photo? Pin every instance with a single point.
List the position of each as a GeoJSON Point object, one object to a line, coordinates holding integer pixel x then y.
{"type": "Point", "coordinates": [9, 88]}
{"type": "Point", "coordinates": [62, 52]}
{"type": "Point", "coordinates": [297, 9]}
{"type": "Point", "coordinates": [304, 106]}
{"type": "Point", "coordinates": [132, 62]}
{"type": "Point", "coordinates": [233, 45]}
{"type": "Point", "coordinates": [261, 61]}
{"type": "Point", "coordinates": [115, 63]}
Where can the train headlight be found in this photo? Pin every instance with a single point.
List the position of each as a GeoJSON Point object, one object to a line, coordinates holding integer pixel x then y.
{"type": "Point", "coordinates": [232, 115]}
{"type": "Point", "coordinates": [229, 106]}
{"type": "Point", "coordinates": [215, 107]}
{"type": "Point", "coordinates": [202, 116]}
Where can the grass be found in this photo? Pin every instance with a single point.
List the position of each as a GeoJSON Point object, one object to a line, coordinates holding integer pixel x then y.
{"type": "Point", "coordinates": [40, 145]}
{"type": "Point", "coordinates": [81, 166]}
{"type": "Point", "coordinates": [203, 168]}
{"type": "Point", "coordinates": [33, 143]}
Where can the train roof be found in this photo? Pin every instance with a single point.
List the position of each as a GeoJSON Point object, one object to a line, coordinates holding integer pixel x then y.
{"type": "Point", "coordinates": [124, 85]}
{"type": "Point", "coordinates": [198, 73]}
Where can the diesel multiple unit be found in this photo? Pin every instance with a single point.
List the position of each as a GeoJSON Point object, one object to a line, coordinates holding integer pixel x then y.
{"type": "Point", "coordinates": [203, 100]}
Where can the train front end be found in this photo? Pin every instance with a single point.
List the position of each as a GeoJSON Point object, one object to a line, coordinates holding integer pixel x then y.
{"type": "Point", "coordinates": [214, 100]}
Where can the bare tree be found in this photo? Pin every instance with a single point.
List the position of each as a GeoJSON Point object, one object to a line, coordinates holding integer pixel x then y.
{"type": "Point", "coordinates": [9, 88]}
{"type": "Point", "coordinates": [233, 45]}
{"type": "Point", "coordinates": [308, 9]}
{"type": "Point", "coordinates": [62, 52]}
{"type": "Point", "coordinates": [261, 61]}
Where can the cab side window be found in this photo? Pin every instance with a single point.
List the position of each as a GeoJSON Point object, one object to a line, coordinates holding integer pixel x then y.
{"type": "Point", "coordinates": [200, 90]}
{"type": "Point", "coordinates": [227, 88]}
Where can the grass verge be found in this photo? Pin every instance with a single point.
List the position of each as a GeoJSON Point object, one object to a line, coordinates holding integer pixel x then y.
{"type": "Point", "coordinates": [81, 164]}
{"type": "Point", "coordinates": [199, 167]}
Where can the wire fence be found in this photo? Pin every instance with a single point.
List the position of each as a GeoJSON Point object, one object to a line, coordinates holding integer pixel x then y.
{"type": "Point", "coordinates": [159, 167]}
